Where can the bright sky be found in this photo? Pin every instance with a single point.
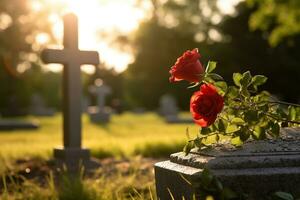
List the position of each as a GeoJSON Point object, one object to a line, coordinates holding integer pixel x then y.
{"type": "Point", "coordinates": [108, 16]}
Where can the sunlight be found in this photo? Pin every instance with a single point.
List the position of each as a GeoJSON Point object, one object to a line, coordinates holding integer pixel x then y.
{"type": "Point", "coordinates": [227, 6]}
{"type": "Point", "coordinates": [98, 16]}
{"type": "Point", "coordinates": [109, 17]}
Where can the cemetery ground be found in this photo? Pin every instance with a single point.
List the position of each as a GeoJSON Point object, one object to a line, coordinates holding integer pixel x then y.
{"type": "Point", "coordinates": [127, 148]}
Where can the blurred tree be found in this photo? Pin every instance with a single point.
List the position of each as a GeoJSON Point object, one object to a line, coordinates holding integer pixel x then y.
{"type": "Point", "coordinates": [175, 27]}
{"type": "Point", "coordinates": [279, 18]}
{"type": "Point", "coordinates": [242, 49]}
{"type": "Point", "coordinates": [180, 25]}
{"type": "Point", "coordinates": [23, 28]}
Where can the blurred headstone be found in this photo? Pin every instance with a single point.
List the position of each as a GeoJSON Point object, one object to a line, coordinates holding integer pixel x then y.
{"type": "Point", "coordinates": [169, 110]}
{"type": "Point", "coordinates": [10, 125]}
{"type": "Point", "coordinates": [139, 110]}
{"type": "Point", "coordinates": [168, 106]}
{"type": "Point", "coordinates": [38, 106]}
{"type": "Point", "coordinates": [72, 153]}
{"type": "Point", "coordinates": [100, 113]}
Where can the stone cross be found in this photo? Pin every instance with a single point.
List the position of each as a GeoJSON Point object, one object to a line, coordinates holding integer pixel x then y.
{"type": "Point", "coordinates": [72, 58]}
{"type": "Point", "coordinates": [101, 91]}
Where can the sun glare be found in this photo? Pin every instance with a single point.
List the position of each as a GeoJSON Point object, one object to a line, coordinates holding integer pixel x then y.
{"type": "Point", "coordinates": [98, 16]}
{"type": "Point", "coordinates": [109, 17]}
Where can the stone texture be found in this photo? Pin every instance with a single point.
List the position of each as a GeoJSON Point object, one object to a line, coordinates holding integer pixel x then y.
{"type": "Point", "coordinates": [259, 168]}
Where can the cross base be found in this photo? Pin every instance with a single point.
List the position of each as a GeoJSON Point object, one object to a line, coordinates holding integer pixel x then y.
{"type": "Point", "coordinates": [74, 158]}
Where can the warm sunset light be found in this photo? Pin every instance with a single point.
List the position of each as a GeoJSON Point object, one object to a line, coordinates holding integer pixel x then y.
{"type": "Point", "coordinates": [104, 16]}
{"type": "Point", "coordinates": [149, 99]}
{"type": "Point", "coordinates": [109, 17]}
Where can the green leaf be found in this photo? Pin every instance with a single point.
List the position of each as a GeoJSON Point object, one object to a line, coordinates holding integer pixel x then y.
{"type": "Point", "coordinates": [211, 65]}
{"type": "Point", "coordinates": [263, 96]}
{"type": "Point", "coordinates": [252, 88]}
{"type": "Point", "coordinates": [244, 91]}
{"type": "Point", "coordinates": [221, 85]}
{"type": "Point", "coordinates": [236, 141]}
{"type": "Point", "coordinates": [297, 113]}
{"type": "Point", "coordinates": [221, 126]}
{"type": "Point", "coordinates": [246, 79]}
{"type": "Point", "coordinates": [237, 121]}
{"type": "Point", "coordinates": [216, 77]}
{"type": "Point", "coordinates": [232, 128]}
{"type": "Point", "coordinates": [232, 92]}
{"type": "Point", "coordinates": [292, 113]}
{"type": "Point", "coordinates": [259, 133]}
{"type": "Point", "coordinates": [259, 80]}
{"type": "Point", "coordinates": [275, 129]}
{"type": "Point", "coordinates": [205, 131]}
{"type": "Point", "coordinates": [281, 112]}
{"type": "Point", "coordinates": [251, 116]}
{"type": "Point", "coordinates": [244, 134]}
{"type": "Point", "coordinates": [236, 78]}
{"type": "Point", "coordinates": [198, 142]}
{"type": "Point", "coordinates": [283, 196]}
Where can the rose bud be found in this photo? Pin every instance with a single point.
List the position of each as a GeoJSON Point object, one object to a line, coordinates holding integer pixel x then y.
{"type": "Point", "coordinates": [205, 105]}
{"type": "Point", "coordinates": [187, 67]}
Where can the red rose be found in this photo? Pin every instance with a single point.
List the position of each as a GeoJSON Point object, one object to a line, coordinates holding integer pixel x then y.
{"type": "Point", "coordinates": [205, 105]}
{"type": "Point", "coordinates": [187, 67]}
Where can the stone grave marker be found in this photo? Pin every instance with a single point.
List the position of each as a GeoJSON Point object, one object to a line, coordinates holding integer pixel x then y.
{"type": "Point", "coordinates": [38, 106]}
{"type": "Point", "coordinates": [258, 168]}
{"type": "Point", "coordinates": [10, 125]}
{"type": "Point", "coordinates": [72, 58]}
{"type": "Point", "coordinates": [168, 105]}
{"type": "Point", "coordinates": [100, 113]}
{"type": "Point", "coordinates": [169, 110]}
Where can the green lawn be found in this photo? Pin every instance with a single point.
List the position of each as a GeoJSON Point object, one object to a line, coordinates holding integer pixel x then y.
{"type": "Point", "coordinates": [126, 135]}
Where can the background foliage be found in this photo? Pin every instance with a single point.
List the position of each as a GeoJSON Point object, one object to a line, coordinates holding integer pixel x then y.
{"type": "Point", "coordinates": [261, 36]}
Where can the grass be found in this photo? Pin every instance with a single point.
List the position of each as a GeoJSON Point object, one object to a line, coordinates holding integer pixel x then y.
{"type": "Point", "coordinates": [126, 135]}
{"type": "Point", "coordinates": [127, 182]}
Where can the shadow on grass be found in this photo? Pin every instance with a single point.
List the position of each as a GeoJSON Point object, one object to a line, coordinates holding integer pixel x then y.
{"type": "Point", "coordinates": [158, 150]}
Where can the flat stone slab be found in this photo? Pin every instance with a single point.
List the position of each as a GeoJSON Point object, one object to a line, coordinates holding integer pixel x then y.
{"type": "Point", "coordinates": [17, 125]}
{"type": "Point", "coordinates": [266, 166]}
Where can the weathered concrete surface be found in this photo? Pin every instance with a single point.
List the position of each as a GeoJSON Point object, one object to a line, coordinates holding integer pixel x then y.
{"type": "Point", "coordinates": [259, 168]}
